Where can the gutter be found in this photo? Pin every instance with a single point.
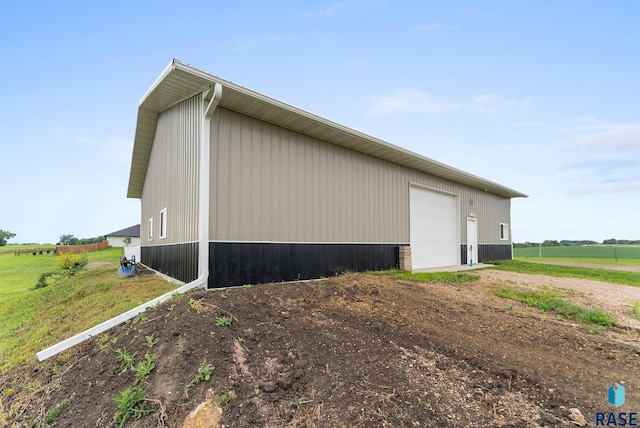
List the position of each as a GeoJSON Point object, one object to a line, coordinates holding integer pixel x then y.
{"type": "Point", "coordinates": [203, 243]}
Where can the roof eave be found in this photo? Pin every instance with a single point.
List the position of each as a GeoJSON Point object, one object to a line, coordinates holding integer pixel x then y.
{"type": "Point", "coordinates": [179, 81]}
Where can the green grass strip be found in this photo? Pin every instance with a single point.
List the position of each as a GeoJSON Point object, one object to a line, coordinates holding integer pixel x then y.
{"type": "Point", "coordinates": [595, 274]}
{"type": "Point", "coordinates": [583, 260]}
{"type": "Point", "coordinates": [548, 301]}
{"type": "Point", "coordinates": [431, 277]}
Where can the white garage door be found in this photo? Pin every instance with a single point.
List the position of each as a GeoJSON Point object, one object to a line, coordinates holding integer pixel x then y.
{"type": "Point", "coordinates": [432, 228]}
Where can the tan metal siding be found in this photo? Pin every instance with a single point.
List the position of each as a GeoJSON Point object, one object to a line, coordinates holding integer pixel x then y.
{"type": "Point", "coordinates": [272, 184]}
{"type": "Point", "coordinates": [172, 175]}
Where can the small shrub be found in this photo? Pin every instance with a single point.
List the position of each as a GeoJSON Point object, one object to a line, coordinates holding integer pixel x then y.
{"type": "Point", "coordinates": [73, 261]}
{"type": "Point", "coordinates": [42, 280]}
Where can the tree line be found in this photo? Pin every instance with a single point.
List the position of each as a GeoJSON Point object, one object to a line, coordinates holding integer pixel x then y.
{"type": "Point", "coordinates": [5, 235]}
{"type": "Point", "coordinates": [72, 240]}
{"type": "Point", "coordinates": [569, 243]}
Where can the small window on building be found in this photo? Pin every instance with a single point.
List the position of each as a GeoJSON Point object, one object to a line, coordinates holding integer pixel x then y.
{"type": "Point", "coordinates": [163, 223]}
{"type": "Point", "coordinates": [504, 232]}
{"type": "Point", "coordinates": [150, 229]}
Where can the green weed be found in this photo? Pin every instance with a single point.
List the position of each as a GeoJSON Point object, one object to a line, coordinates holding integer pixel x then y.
{"type": "Point", "coordinates": [298, 402]}
{"type": "Point", "coordinates": [223, 321]}
{"type": "Point", "coordinates": [634, 312]}
{"type": "Point", "coordinates": [204, 373]}
{"type": "Point", "coordinates": [144, 368]}
{"type": "Point", "coordinates": [196, 305]}
{"type": "Point", "coordinates": [131, 403]}
{"type": "Point", "coordinates": [126, 359]}
{"type": "Point", "coordinates": [150, 340]}
{"type": "Point", "coordinates": [53, 413]}
{"type": "Point", "coordinates": [226, 397]}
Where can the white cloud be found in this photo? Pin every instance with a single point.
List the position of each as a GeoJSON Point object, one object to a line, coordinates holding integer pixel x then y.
{"type": "Point", "coordinates": [339, 7]}
{"type": "Point", "coordinates": [618, 186]}
{"type": "Point", "coordinates": [416, 101]}
{"type": "Point", "coordinates": [326, 12]}
{"type": "Point", "coordinates": [408, 101]}
{"type": "Point", "coordinates": [614, 138]}
{"type": "Point", "coordinates": [493, 103]}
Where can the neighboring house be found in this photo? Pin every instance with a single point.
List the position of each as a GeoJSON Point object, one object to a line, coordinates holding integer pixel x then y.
{"type": "Point", "coordinates": [116, 239]}
{"type": "Point", "coordinates": [237, 187]}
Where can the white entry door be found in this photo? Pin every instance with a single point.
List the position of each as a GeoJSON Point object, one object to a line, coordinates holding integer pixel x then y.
{"type": "Point", "coordinates": [433, 227]}
{"type": "Point", "coordinates": [472, 240]}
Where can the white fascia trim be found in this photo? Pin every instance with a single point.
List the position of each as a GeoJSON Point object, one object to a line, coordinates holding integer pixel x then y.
{"type": "Point", "coordinates": [167, 70]}
{"type": "Point", "coordinates": [490, 243]}
{"type": "Point", "coordinates": [171, 243]}
{"type": "Point", "coordinates": [306, 242]}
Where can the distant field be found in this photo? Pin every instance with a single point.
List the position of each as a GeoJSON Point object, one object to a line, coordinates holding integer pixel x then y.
{"type": "Point", "coordinates": [586, 252]}
{"type": "Point", "coordinates": [12, 248]}
{"type": "Point", "coordinates": [20, 273]}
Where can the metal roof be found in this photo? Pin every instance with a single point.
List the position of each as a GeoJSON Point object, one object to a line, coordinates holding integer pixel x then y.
{"type": "Point", "coordinates": [179, 82]}
{"type": "Point", "coordinates": [132, 231]}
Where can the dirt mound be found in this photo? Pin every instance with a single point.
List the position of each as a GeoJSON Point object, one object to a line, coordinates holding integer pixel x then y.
{"type": "Point", "coordinates": [355, 350]}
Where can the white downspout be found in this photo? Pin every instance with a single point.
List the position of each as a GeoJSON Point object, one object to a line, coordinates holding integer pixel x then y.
{"type": "Point", "coordinates": [203, 241]}
{"type": "Point", "coordinates": [205, 177]}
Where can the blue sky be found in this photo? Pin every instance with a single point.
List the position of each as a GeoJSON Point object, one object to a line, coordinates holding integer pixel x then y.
{"type": "Point", "coordinates": [542, 97]}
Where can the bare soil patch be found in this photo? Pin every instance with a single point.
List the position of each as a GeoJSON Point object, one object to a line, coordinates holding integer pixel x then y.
{"type": "Point", "coordinates": [615, 299]}
{"type": "Point", "coordinates": [98, 265]}
{"type": "Point", "coordinates": [355, 350]}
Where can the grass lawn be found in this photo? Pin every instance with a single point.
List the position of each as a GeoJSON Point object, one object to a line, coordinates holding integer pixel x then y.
{"type": "Point", "coordinates": [604, 275]}
{"type": "Point", "coordinates": [583, 260]}
{"type": "Point", "coordinates": [36, 319]}
{"type": "Point", "coordinates": [20, 273]}
{"type": "Point", "coordinates": [631, 253]}
{"type": "Point", "coordinates": [432, 277]}
{"type": "Point", "coordinates": [549, 301]}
